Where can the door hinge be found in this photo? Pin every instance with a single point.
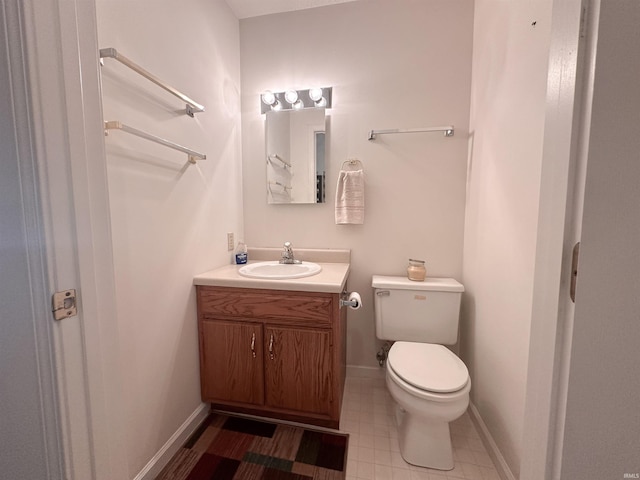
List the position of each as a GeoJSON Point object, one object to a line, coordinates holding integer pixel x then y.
{"type": "Point", "coordinates": [574, 271]}
{"type": "Point", "coordinates": [64, 304]}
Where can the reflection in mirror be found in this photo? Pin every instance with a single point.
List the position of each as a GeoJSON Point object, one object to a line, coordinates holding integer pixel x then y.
{"type": "Point", "coordinates": [320, 169]}
{"type": "Point", "coordinates": [296, 156]}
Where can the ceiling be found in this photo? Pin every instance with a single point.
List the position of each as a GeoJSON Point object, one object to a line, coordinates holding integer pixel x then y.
{"type": "Point", "coordinates": [255, 8]}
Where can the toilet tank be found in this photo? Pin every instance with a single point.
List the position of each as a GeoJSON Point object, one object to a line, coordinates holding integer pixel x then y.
{"type": "Point", "coordinates": [427, 311]}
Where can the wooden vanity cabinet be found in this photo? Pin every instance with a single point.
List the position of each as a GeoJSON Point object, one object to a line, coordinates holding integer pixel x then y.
{"type": "Point", "coordinates": [298, 372]}
{"type": "Point", "coordinates": [273, 353]}
{"type": "Point", "coordinates": [236, 372]}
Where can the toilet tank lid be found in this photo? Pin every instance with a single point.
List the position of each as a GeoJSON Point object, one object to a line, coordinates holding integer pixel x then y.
{"type": "Point", "coordinates": [434, 284]}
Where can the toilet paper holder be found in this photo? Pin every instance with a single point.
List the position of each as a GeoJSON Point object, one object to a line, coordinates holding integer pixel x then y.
{"type": "Point", "coordinates": [349, 302]}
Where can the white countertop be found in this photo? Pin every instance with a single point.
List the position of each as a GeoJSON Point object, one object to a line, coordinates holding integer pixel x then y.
{"type": "Point", "coordinates": [331, 279]}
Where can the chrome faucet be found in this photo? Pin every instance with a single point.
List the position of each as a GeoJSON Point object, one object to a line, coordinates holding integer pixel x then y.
{"type": "Point", "coordinates": [287, 254]}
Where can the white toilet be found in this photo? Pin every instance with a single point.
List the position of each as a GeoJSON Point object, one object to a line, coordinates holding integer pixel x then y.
{"type": "Point", "coordinates": [429, 383]}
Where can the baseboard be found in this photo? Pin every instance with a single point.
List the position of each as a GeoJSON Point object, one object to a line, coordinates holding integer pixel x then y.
{"type": "Point", "coordinates": [169, 449]}
{"type": "Point", "coordinates": [492, 448]}
{"type": "Point", "coordinates": [364, 372]}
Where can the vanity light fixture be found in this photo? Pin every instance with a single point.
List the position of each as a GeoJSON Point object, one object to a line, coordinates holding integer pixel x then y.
{"type": "Point", "coordinates": [296, 99]}
{"type": "Point", "coordinates": [268, 98]}
{"type": "Point", "coordinates": [291, 96]}
{"type": "Point", "coordinates": [315, 94]}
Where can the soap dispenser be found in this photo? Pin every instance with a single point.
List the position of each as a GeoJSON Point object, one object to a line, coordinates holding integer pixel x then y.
{"type": "Point", "coordinates": [241, 253]}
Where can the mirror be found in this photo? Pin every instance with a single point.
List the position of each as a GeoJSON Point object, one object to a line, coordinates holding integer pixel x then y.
{"type": "Point", "coordinates": [295, 143]}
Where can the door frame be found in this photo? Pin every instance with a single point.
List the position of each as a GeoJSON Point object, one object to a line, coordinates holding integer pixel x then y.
{"type": "Point", "coordinates": [57, 40]}
{"type": "Point", "coordinates": [567, 121]}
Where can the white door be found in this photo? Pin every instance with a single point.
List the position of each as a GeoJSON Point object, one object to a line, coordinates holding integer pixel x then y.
{"type": "Point", "coordinates": [29, 440]}
{"type": "Point", "coordinates": [601, 438]}
{"type": "Point", "coordinates": [582, 417]}
{"type": "Point", "coordinates": [60, 405]}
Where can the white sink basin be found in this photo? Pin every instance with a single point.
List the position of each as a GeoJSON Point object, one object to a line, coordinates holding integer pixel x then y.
{"type": "Point", "coordinates": [279, 271]}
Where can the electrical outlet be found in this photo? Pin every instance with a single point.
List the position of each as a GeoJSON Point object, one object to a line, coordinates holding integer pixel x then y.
{"type": "Point", "coordinates": [230, 241]}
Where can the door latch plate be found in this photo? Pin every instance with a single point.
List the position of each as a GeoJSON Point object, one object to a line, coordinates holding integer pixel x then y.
{"type": "Point", "coordinates": [64, 304]}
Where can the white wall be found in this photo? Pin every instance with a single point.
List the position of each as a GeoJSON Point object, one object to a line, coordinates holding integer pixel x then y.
{"type": "Point", "coordinates": [401, 64]}
{"type": "Point", "coordinates": [169, 218]}
{"type": "Point", "coordinates": [510, 55]}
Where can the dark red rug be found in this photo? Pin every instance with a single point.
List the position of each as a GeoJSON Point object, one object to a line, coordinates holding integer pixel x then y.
{"type": "Point", "coordinates": [236, 448]}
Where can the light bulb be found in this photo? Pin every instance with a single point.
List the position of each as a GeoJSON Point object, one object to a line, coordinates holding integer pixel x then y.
{"type": "Point", "coordinates": [315, 94]}
{"type": "Point", "coordinates": [268, 98]}
{"type": "Point", "coordinates": [276, 106]}
{"type": "Point", "coordinates": [322, 102]}
{"type": "Point", "coordinates": [291, 96]}
{"type": "Point", "coordinates": [298, 105]}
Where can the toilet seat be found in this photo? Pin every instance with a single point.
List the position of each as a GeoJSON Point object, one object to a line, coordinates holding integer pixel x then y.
{"type": "Point", "coordinates": [428, 367]}
{"type": "Point", "coordinates": [432, 397]}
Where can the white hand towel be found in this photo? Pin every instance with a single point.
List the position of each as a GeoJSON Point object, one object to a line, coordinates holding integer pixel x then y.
{"type": "Point", "coordinates": [350, 198]}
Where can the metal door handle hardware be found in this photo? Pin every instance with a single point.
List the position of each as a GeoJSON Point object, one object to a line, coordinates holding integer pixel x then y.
{"type": "Point", "coordinates": [253, 345]}
{"type": "Point", "coordinates": [271, 347]}
{"type": "Point", "coordinates": [64, 304]}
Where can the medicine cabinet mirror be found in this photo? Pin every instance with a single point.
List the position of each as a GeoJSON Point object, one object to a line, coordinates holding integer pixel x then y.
{"type": "Point", "coordinates": [295, 144]}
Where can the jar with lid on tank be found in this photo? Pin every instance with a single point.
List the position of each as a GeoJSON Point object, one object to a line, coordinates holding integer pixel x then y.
{"type": "Point", "coordinates": [416, 270]}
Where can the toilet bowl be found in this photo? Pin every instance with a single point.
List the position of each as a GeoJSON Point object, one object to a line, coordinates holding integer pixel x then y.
{"type": "Point", "coordinates": [430, 385]}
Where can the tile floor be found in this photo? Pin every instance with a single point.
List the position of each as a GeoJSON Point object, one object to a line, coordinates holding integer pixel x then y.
{"type": "Point", "coordinates": [367, 415]}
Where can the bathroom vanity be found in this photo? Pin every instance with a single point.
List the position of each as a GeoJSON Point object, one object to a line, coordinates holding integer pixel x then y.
{"type": "Point", "coordinates": [274, 348]}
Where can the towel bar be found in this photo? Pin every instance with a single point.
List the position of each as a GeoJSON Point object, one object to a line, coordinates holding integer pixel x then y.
{"type": "Point", "coordinates": [448, 131]}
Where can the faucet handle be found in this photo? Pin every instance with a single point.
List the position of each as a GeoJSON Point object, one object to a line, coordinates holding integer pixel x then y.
{"type": "Point", "coordinates": [287, 245]}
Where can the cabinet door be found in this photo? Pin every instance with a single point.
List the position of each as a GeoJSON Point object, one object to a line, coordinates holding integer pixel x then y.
{"type": "Point", "coordinates": [231, 362]}
{"type": "Point", "coordinates": [298, 373]}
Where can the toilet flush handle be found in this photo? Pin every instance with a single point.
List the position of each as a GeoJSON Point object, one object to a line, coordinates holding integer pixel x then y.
{"type": "Point", "coordinates": [383, 293]}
